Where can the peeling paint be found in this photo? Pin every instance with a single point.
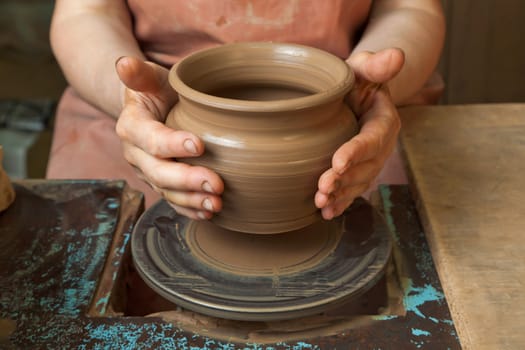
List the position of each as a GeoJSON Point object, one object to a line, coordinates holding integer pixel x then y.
{"type": "Point", "coordinates": [419, 332]}
{"type": "Point", "coordinates": [165, 336]}
{"type": "Point", "coordinates": [384, 317]}
{"type": "Point", "coordinates": [124, 243]}
{"type": "Point", "coordinates": [387, 207]}
{"type": "Point", "coordinates": [418, 296]}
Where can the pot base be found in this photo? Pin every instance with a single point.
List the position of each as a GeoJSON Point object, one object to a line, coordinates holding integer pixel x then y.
{"type": "Point", "coordinates": [240, 276]}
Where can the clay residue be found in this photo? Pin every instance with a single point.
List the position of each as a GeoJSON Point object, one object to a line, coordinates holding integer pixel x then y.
{"type": "Point", "coordinates": [382, 301]}
{"type": "Point", "coordinates": [250, 254]}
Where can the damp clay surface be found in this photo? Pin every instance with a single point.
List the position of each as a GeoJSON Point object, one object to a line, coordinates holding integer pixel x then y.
{"type": "Point", "coordinates": [271, 116]}
{"type": "Point", "coordinates": [260, 92]}
{"type": "Point", "coordinates": [263, 255]}
{"type": "Point", "coordinates": [249, 277]}
{"type": "Point", "coordinates": [384, 300]}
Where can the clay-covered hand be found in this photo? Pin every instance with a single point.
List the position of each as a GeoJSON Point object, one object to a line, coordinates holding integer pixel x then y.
{"type": "Point", "coordinates": [357, 162]}
{"type": "Point", "coordinates": [151, 147]}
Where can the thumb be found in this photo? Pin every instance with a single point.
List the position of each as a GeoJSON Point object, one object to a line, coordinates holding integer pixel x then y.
{"type": "Point", "coordinates": [378, 67]}
{"type": "Point", "coordinates": [139, 76]}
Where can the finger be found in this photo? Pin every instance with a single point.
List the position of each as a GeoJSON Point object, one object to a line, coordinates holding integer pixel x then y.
{"type": "Point", "coordinates": [132, 127]}
{"type": "Point", "coordinates": [373, 71]}
{"type": "Point", "coordinates": [209, 203]}
{"type": "Point", "coordinates": [322, 200]}
{"type": "Point", "coordinates": [193, 200]}
{"type": "Point", "coordinates": [361, 174]}
{"type": "Point", "coordinates": [137, 75]}
{"type": "Point", "coordinates": [330, 183]}
{"type": "Point", "coordinates": [379, 125]}
{"type": "Point", "coordinates": [340, 203]}
{"type": "Point", "coordinates": [147, 86]}
{"type": "Point", "coordinates": [192, 213]}
{"type": "Point", "coordinates": [378, 67]}
{"type": "Point", "coordinates": [172, 175]}
{"type": "Point", "coordinates": [361, 99]}
{"type": "Point", "coordinates": [347, 197]}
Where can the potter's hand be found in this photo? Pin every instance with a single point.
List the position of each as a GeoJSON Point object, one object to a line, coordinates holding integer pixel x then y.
{"type": "Point", "coordinates": [357, 162]}
{"type": "Point", "coordinates": [150, 146]}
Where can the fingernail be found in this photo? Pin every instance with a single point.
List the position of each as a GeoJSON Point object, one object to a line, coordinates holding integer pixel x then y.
{"type": "Point", "coordinates": [118, 60]}
{"type": "Point", "coordinates": [201, 215]}
{"type": "Point", "coordinates": [190, 146]}
{"type": "Point", "coordinates": [206, 187]}
{"type": "Point", "coordinates": [206, 204]}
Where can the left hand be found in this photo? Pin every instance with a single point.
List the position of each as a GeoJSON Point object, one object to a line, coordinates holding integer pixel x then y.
{"type": "Point", "coordinates": [151, 147]}
{"type": "Point", "coordinates": [357, 162]}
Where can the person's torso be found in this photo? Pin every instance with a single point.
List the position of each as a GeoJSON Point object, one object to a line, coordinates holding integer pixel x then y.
{"type": "Point", "coordinates": [170, 30]}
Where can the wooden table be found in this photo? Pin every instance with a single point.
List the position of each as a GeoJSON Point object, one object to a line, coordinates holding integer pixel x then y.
{"type": "Point", "coordinates": [467, 170]}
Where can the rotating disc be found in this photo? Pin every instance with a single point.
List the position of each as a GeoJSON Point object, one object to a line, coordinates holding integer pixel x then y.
{"type": "Point", "coordinates": [252, 277]}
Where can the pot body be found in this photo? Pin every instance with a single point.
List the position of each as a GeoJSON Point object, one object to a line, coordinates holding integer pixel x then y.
{"type": "Point", "coordinates": [271, 116]}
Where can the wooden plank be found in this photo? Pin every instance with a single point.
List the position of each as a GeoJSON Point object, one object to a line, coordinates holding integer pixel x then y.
{"type": "Point", "coordinates": [483, 56]}
{"type": "Point", "coordinates": [467, 166]}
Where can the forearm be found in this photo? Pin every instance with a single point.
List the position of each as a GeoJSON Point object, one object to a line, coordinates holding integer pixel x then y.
{"type": "Point", "coordinates": [87, 38]}
{"type": "Point", "coordinates": [416, 27]}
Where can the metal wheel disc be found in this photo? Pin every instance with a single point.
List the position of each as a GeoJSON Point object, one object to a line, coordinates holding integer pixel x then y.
{"type": "Point", "coordinates": [165, 251]}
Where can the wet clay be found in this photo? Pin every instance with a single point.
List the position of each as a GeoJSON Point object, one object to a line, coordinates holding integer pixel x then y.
{"type": "Point", "coordinates": [385, 299]}
{"type": "Point", "coordinates": [253, 277]}
{"type": "Point", "coordinates": [260, 92]}
{"type": "Point", "coordinates": [271, 116]}
{"type": "Point", "coordinates": [261, 255]}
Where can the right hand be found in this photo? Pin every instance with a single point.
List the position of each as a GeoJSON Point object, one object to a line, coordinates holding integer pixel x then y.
{"type": "Point", "coordinates": [357, 162]}
{"type": "Point", "coordinates": [150, 146]}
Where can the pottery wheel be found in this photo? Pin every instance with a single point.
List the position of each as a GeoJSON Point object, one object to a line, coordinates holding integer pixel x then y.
{"type": "Point", "coordinates": [240, 276]}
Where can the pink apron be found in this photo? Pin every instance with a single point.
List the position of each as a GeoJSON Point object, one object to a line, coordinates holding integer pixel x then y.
{"type": "Point", "coordinates": [85, 145]}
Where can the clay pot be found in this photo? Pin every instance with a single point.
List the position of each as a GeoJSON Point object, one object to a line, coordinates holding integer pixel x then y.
{"type": "Point", "coordinates": [271, 116]}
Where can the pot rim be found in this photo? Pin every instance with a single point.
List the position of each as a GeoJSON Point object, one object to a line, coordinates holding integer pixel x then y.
{"type": "Point", "coordinates": [342, 85]}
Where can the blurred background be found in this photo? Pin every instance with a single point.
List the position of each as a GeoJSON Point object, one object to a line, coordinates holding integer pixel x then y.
{"type": "Point", "coordinates": [30, 84]}
{"type": "Point", "coordinates": [483, 62]}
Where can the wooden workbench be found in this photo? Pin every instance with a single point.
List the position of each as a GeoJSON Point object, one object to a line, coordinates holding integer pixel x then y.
{"type": "Point", "coordinates": [467, 170]}
{"type": "Point", "coordinates": [65, 283]}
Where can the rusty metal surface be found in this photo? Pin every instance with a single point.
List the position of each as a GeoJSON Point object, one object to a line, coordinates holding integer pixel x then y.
{"type": "Point", "coordinates": [53, 315]}
{"type": "Point", "coordinates": [53, 243]}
